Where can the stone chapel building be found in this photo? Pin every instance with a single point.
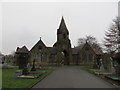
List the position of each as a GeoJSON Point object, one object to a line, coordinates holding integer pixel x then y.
{"type": "Point", "coordinates": [62, 52]}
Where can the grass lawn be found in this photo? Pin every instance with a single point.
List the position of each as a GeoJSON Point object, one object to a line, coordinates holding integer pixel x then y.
{"type": "Point", "coordinates": [87, 68]}
{"type": "Point", "coordinates": [8, 81]}
{"type": "Point", "coordinates": [0, 78]}
{"type": "Point", "coordinates": [90, 70]}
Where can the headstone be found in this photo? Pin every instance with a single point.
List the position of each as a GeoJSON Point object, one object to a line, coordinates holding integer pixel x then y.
{"type": "Point", "coordinates": [3, 59]}
{"type": "Point", "coordinates": [22, 57]}
{"type": "Point", "coordinates": [22, 61]}
{"type": "Point", "coordinates": [33, 67]}
{"type": "Point", "coordinates": [101, 67]}
{"type": "Point", "coordinates": [116, 60]}
{"type": "Point", "coordinates": [112, 69]}
{"type": "Point", "coordinates": [107, 63]}
{"type": "Point", "coordinates": [98, 62]}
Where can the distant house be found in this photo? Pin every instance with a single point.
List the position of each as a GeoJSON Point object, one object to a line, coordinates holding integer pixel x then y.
{"type": "Point", "coordinates": [85, 54]}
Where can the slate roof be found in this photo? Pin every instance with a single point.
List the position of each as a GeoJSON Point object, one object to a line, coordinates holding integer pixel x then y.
{"type": "Point", "coordinates": [40, 42]}
{"type": "Point", "coordinates": [22, 50]}
{"type": "Point", "coordinates": [53, 50]}
{"type": "Point", "coordinates": [79, 48]}
{"type": "Point", "coordinates": [75, 50]}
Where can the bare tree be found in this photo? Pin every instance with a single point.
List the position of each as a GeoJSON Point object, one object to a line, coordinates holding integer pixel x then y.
{"type": "Point", "coordinates": [81, 41]}
{"type": "Point", "coordinates": [91, 40]}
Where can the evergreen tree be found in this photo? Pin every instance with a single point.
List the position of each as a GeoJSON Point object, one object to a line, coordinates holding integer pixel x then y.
{"type": "Point", "coordinates": [112, 43]}
{"type": "Point", "coordinates": [112, 37]}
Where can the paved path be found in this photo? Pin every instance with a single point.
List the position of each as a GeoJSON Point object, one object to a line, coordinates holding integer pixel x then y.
{"type": "Point", "coordinates": [72, 77]}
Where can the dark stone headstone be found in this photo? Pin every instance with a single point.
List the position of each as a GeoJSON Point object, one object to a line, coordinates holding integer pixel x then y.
{"type": "Point", "coordinates": [3, 60]}
{"type": "Point", "coordinates": [22, 57]}
{"type": "Point", "coordinates": [97, 62]}
{"type": "Point", "coordinates": [22, 60]}
{"type": "Point", "coordinates": [33, 67]}
{"type": "Point", "coordinates": [116, 58]}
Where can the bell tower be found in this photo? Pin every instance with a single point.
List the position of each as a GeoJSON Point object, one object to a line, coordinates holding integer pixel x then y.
{"type": "Point", "coordinates": [63, 43]}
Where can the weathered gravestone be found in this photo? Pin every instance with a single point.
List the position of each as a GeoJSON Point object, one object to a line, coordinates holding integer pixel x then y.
{"type": "Point", "coordinates": [116, 60]}
{"type": "Point", "coordinates": [107, 62]}
{"type": "Point", "coordinates": [101, 66]}
{"type": "Point", "coordinates": [98, 62]}
{"type": "Point", "coordinates": [22, 59]}
{"type": "Point", "coordinates": [115, 69]}
{"type": "Point", "coordinates": [33, 67]}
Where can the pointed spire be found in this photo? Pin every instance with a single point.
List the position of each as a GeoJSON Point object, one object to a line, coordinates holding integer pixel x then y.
{"type": "Point", "coordinates": [62, 26]}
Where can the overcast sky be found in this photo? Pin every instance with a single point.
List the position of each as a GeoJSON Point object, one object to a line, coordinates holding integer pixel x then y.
{"type": "Point", "coordinates": [24, 23]}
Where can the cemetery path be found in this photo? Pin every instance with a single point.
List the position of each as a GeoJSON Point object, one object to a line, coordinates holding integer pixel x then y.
{"type": "Point", "coordinates": [72, 77]}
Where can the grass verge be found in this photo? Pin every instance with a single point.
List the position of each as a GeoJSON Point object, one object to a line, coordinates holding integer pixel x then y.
{"type": "Point", "coordinates": [87, 68]}
{"type": "Point", "coordinates": [8, 81]}
{"type": "Point", "coordinates": [102, 76]}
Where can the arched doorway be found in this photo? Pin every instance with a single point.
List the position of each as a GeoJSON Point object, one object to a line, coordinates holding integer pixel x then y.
{"type": "Point", "coordinates": [65, 58]}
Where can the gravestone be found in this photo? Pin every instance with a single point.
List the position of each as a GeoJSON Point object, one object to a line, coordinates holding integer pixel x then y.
{"type": "Point", "coordinates": [98, 58]}
{"type": "Point", "coordinates": [112, 69]}
{"type": "Point", "coordinates": [116, 60]}
{"type": "Point", "coordinates": [3, 59]}
{"type": "Point", "coordinates": [33, 67]}
{"type": "Point", "coordinates": [22, 59]}
{"type": "Point", "coordinates": [101, 65]}
{"type": "Point", "coordinates": [108, 63]}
